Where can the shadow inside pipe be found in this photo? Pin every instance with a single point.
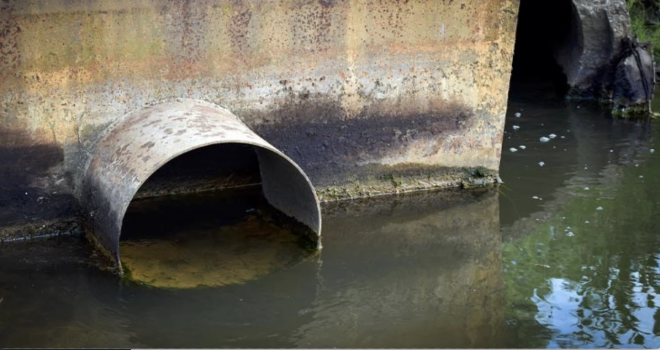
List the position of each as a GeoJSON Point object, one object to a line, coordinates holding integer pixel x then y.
{"type": "Point", "coordinates": [547, 47]}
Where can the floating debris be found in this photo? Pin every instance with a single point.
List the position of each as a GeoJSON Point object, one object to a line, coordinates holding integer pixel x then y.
{"type": "Point", "coordinates": [552, 136]}
{"type": "Point", "coordinates": [541, 164]}
{"type": "Point", "coordinates": [544, 139]}
{"type": "Point", "coordinates": [611, 151]}
{"type": "Point", "coordinates": [522, 147]}
{"type": "Point", "coordinates": [586, 188]}
{"type": "Point", "coordinates": [516, 127]}
{"type": "Point", "coordinates": [651, 150]}
{"type": "Point", "coordinates": [543, 266]}
{"type": "Point", "coordinates": [518, 114]}
{"type": "Point", "coordinates": [570, 234]}
{"type": "Point", "coordinates": [599, 208]}
{"type": "Point", "coordinates": [636, 165]}
{"type": "Point", "coordinates": [586, 222]}
{"type": "Point", "coordinates": [513, 149]}
{"type": "Point", "coordinates": [535, 197]}
{"type": "Point", "coordinates": [641, 176]}
{"type": "Point", "coordinates": [563, 137]}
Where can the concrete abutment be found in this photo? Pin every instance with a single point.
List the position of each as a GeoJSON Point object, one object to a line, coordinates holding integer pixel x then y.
{"type": "Point", "coordinates": [355, 98]}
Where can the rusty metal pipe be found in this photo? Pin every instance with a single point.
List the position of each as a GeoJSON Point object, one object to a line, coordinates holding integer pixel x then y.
{"type": "Point", "coordinates": [145, 141]}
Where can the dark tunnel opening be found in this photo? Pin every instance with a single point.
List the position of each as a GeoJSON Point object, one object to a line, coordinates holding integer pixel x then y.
{"type": "Point", "coordinates": [547, 38]}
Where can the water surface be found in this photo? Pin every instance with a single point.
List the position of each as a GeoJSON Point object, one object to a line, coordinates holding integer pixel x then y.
{"type": "Point", "coordinates": [561, 255]}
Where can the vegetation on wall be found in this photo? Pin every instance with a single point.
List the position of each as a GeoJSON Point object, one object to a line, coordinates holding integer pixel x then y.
{"type": "Point", "coordinates": [645, 21]}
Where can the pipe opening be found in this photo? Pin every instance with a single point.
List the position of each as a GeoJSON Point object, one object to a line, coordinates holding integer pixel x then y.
{"type": "Point", "coordinates": [185, 168]}
{"type": "Point", "coordinates": [203, 220]}
{"type": "Point", "coordinates": [547, 47]}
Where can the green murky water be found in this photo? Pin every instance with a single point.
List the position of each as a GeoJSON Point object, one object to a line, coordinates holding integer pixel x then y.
{"type": "Point", "coordinates": [581, 262]}
{"type": "Point", "coordinates": [562, 255]}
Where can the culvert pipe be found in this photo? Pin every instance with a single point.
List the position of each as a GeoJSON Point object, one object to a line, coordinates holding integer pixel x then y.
{"type": "Point", "coordinates": [143, 142]}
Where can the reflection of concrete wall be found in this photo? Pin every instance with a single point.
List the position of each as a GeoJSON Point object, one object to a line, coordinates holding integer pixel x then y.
{"type": "Point", "coordinates": [420, 272]}
{"type": "Point", "coordinates": [342, 87]}
{"type": "Point", "coordinates": [256, 315]}
{"type": "Point", "coordinates": [48, 299]}
{"type": "Point", "coordinates": [414, 271]}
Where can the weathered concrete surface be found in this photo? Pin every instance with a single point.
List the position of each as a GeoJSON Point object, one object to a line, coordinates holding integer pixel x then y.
{"type": "Point", "coordinates": [596, 32]}
{"type": "Point", "coordinates": [138, 146]}
{"type": "Point", "coordinates": [634, 81]}
{"type": "Point", "coordinates": [355, 92]}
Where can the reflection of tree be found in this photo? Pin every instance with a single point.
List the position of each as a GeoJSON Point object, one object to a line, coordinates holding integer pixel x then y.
{"type": "Point", "coordinates": [611, 263]}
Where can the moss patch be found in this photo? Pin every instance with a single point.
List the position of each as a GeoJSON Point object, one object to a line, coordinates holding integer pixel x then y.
{"type": "Point", "coordinates": [401, 180]}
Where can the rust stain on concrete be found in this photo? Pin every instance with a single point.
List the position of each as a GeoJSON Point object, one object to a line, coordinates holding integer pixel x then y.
{"type": "Point", "coordinates": [356, 84]}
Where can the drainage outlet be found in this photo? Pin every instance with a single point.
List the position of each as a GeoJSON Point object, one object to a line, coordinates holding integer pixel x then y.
{"type": "Point", "coordinates": [144, 142]}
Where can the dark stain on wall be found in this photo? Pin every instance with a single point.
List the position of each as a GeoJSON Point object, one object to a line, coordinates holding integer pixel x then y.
{"type": "Point", "coordinates": [25, 193]}
{"type": "Point", "coordinates": [318, 136]}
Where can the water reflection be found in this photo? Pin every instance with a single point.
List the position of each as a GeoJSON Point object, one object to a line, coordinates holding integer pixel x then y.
{"type": "Point", "coordinates": [588, 143]}
{"type": "Point", "coordinates": [577, 266]}
{"type": "Point", "coordinates": [47, 298]}
{"type": "Point", "coordinates": [583, 270]}
{"type": "Point", "coordinates": [413, 271]}
{"type": "Point", "coordinates": [416, 271]}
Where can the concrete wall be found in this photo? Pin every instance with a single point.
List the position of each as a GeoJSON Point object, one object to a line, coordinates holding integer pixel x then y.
{"type": "Point", "coordinates": [596, 32]}
{"type": "Point", "coordinates": [366, 96]}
